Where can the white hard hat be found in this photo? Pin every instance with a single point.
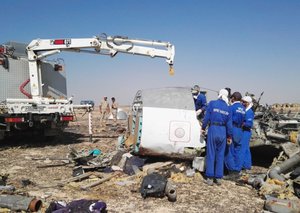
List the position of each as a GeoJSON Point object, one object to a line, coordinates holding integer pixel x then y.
{"type": "Point", "coordinates": [223, 92]}
{"type": "Point", "coordinates": [247, 99]}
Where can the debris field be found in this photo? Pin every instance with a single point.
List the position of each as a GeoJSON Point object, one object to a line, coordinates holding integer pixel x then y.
{"type": "Point", "coordinates": [39, 167]}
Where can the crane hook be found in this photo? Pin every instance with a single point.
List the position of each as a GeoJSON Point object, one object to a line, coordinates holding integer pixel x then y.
{"type": "Point", "coordinates": [171, 70]}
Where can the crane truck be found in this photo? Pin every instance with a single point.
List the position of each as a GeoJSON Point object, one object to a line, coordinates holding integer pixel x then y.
{"type": "Point", "coordinates": [41, 103]}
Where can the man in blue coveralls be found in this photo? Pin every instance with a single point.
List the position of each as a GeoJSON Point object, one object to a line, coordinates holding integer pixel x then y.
{"type": "Point", "coordinates": [218, 118]}
{"type": "Point", "coordinates": [247, 125]}
{"type": "Point", "coordinates": [233, 152]}
{"type": "Point", "coordinates": [200, 101]}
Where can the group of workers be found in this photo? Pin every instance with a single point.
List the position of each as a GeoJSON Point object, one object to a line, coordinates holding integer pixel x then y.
{"type": "Point", "coordinates": [229, 120]}
{"type": "Point", "coordinates": [105, 111]}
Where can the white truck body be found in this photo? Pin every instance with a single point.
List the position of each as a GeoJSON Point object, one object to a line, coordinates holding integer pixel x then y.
{"type": "Point", "coordinates": [54, 83]}
{"type": "Point", "coordinates": [21, 113]}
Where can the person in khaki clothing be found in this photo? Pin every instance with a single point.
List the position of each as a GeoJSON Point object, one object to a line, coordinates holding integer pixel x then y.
{"type": "Point", "coordinates": [104, 111]}
{"type": "Point", "coordinates": [114, 109]}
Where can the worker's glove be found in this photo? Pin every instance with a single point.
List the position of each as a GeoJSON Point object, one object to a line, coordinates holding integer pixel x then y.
{"type": "Point", "coordinates": [198, 112]}
{"type": "Point", "coordinates": [229, 141]}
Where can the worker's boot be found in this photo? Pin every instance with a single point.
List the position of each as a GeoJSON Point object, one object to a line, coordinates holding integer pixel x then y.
{"type": "Point", "coordinates": [209, 181]}
{"type": "Point", "coordinates": [232, 175]}
{"type": "Point", "coordinates": [218, 181]}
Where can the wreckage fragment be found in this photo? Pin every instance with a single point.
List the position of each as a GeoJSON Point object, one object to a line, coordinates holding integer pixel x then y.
{"type": "Point", "coordinates": [17, 203]}
{"type": "Point", "coordinates": [163, 122]}
{"type": "Point", "coordinates": [170, 191]}
{"type": "Point", "coordinates": [282, 206]}
{"type": "Point", "coordinates": [272, 128]}
{"type": "Point", "coordinates": [153, 185]}
{"type": "Point", "coordinates": [284, 167]}
{"type": "Point", "coordinates": [82, 205]}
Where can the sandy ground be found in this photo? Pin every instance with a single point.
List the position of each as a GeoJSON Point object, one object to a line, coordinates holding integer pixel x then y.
{"type": "Point", "coordinates": [120, 193]}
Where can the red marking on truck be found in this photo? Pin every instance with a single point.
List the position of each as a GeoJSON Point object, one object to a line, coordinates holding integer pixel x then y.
{"type": "Point", "coordinates": [59, 42]}
{"type": "Point", "coordinates": [66, 118]}
{"type": "Point", "coordinates": [14, 120]}
{"type": "Point", "coordinates": [2, 49]}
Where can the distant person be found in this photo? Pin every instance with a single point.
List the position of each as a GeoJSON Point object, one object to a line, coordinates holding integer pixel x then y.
{"type": "Point", "coordinates": [229, 92]}
{"type": "Point", "coordinates": [104, 111]}
{"type": "Point", "coordinates": [218, 118]}
{"type": "Point", "coordinates": [114, 109]}
{"type": "Point", "coordinates": [233, 153]}
{"type": "Point", "coordinates": [200, 102]}
{"type": "Point", "coordinates": [247, 126]}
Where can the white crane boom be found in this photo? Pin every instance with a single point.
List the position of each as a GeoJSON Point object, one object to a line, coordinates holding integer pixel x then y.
{"type": "Point", "coordinates": [104, 45]}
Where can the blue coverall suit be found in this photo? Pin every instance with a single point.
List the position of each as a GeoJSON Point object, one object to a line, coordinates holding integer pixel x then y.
{"type": "Point", "coordinates": [248, 124]}
{"type": "Point", "coordinates": [218, 117]}
{"type": "Point", "coordinates": [200, 102]}
{"type": "Point", "coordinates": [233, 154]}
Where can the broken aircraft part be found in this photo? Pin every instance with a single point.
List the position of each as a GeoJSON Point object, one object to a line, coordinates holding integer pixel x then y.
{"type": "Point", "coordinates": [17, 203]}
{"type": "Point", "coordinates": [170, 191]}
{"type": "Point", "coordinates": [284, 167]}
{"type": "Point", "coordinates": [163, 122]}
{"type": "Point", "coordinates": [272, 128]}
{"type": "Point", "coordinates": [279, 205]}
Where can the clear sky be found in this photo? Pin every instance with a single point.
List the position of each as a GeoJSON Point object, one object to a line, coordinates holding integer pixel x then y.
{"type": "Point", "coordinates": [248, 45]}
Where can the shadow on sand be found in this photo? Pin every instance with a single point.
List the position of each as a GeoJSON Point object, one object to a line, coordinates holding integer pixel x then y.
{"type": "Point", "coordinates": [26, 140]}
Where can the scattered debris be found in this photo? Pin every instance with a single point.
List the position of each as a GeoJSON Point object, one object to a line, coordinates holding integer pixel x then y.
{"type": "Point", "coordinates": [198, 163]}
{"type": "Point", "coordinates": [87, 166]}
{"type": "Point", "coordinates": [26, 182]}
{"type": "Point", "coordinates": [157, 166]}
{"type": "Point", "coordinates": [190, 172]}
{"type": "Point", "coordinates": [296, 185]}
{"type": "Point", "coordinates": [77, 171]}
{"type": "Point", "coordinates": [82, 205]}
{"type": "Point", "coordinates": [282, 206]}
{"type": "Point", "coordinates": [3, 179]}
{"type": "Point", "coordinates": [133, 164]}
{"type": "Point", "coordinates": [53, 165]}
{"type": "Point", "coordinates": [96, 183]}
{"type": "Point", "coordinates": [7, 188]}
{"type": "Point", "coordinates": [170, 191]}
{"type": "Point", "coordinates": [273, 128]}
{"type": "Point", "coordinates": [20, 203]}
{"type": "Point", "coordinates": [153, 185]}
{"type": "Point", "coordinates": [77, 178]}
{"type": "Point", "coordinates": [284, 167]}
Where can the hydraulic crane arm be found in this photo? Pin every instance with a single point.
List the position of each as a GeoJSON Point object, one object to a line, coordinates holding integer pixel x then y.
{"type": "Point", "coordinates": [104, 45]}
